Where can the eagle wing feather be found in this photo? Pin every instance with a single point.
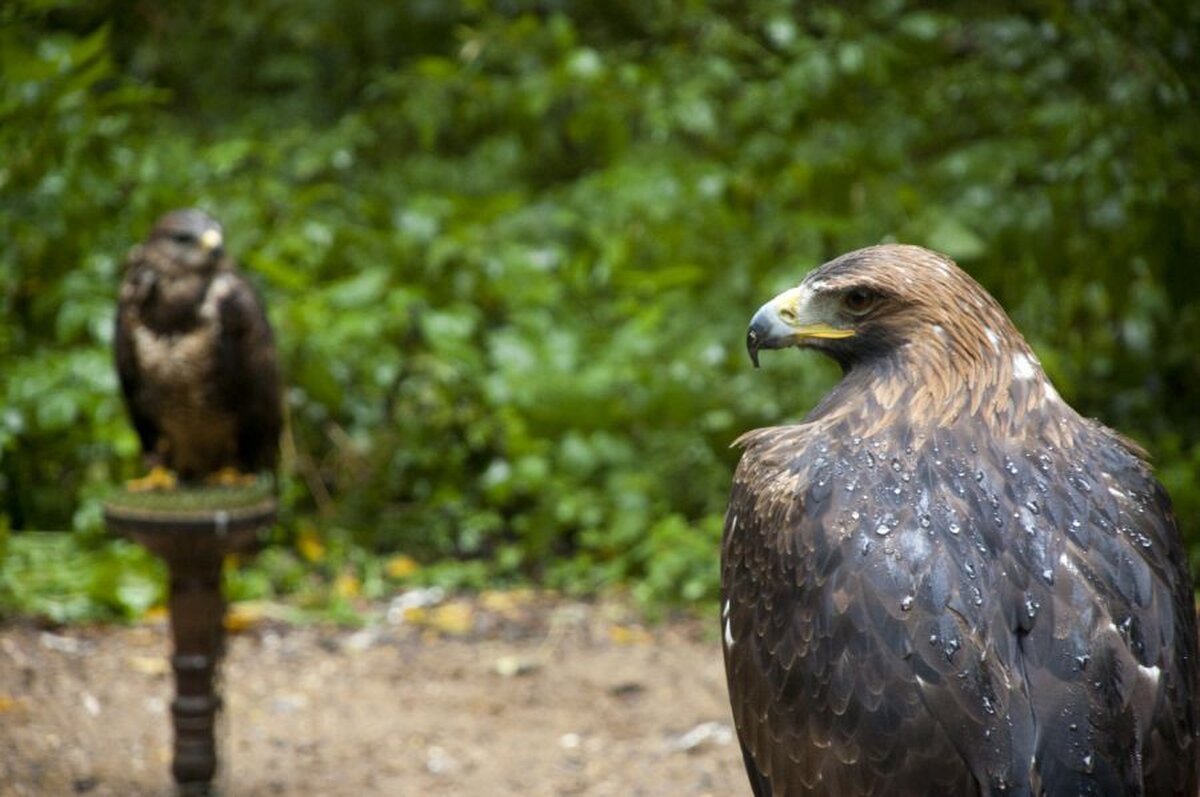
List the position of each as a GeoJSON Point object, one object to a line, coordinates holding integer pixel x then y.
{"type": "Point", "coordinates": [248, 372]}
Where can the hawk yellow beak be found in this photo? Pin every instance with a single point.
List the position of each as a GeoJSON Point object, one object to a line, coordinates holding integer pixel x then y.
{"type": "Point", "coordinates": [210, 240]}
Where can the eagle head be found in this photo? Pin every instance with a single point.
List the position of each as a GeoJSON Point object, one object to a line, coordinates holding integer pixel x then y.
{"type": "Point", "coordinates": [190, 240]}
{"type": "Point", "coordinates": [872, 305]}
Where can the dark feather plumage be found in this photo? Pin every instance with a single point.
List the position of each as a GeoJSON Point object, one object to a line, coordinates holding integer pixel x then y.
{"type": "Point", "coordinates": [945, 581]}
{"type": "Point", "coordinates": [195, 353]}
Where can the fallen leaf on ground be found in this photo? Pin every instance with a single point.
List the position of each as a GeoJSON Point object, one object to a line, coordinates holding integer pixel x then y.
{"type": "Point", "coordinates": [401, 566]}
{"type": "Point", "coordinates": [155, 614]}
{"type": "Point", "coordinates": [629, 635]}
{"type": "Point", "coordinates": [507, 603]}
{"type": "Point", "coordinates": [310, 545]}
{"type": "Point", "coordinates": [454, 619]}
{"type": "Point", "coordinates": [347, 585]}
{"type": "Point", "coordinates": [246, 615]}
{"type": "Point", "coordinates": [149, 665]}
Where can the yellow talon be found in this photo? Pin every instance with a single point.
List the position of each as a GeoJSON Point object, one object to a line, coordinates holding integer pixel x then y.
{"type": "Point", "coordinates": [159, 478]}
{"type": "Point", "coordinates": [230, 477]}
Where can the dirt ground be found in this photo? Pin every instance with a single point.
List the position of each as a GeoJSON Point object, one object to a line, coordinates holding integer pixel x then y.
{"type": "Point", "coordinates": [501, 694]}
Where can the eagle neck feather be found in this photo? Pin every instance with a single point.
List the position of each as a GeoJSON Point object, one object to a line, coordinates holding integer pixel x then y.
{"type": "Point", "coordinates": [931, 382]}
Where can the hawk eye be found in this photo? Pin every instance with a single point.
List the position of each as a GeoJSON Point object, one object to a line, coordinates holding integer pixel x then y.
{"type": "Point", "coordinates": [183, 238]}
{"type": "Point", "coordinates": [858, 301]}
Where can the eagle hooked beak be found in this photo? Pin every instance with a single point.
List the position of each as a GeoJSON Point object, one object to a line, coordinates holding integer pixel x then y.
{"type": "Point", "coordinates": [211, 240]}
{"type": "Point", "coordinates": [789, 320]}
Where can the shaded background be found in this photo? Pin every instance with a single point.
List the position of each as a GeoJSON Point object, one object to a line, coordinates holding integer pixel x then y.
{"type": "Point", "coordinates": [510, 250]}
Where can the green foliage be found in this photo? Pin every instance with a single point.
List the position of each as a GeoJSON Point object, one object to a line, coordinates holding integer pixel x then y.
{"type": "Point", "coordinates": [58, 577]}
{"type": "Point", "coordinates": [510, 249]}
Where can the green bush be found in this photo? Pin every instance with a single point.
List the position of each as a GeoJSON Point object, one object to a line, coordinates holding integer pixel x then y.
{"type": "Point", "coordinates": [510, 249]}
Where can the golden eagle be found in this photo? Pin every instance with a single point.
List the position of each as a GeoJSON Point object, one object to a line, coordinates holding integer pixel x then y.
{"type": "Point", "coordinates": [196, 357]}
{"type": "Point", "coordinates": [945, 581]}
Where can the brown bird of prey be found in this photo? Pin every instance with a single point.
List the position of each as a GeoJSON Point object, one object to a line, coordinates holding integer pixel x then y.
{"type": "Point", "coordinates": [945, 581]}
{"type": "Point", "coordinates": [196, 357]}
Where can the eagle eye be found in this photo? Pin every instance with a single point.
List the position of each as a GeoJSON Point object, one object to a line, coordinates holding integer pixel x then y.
{"type": "Point", "coordinates": [859, 301]}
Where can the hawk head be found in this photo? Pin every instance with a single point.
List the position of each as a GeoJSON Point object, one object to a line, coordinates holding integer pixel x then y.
{"type": "Point", "coordinates": [190, 241]}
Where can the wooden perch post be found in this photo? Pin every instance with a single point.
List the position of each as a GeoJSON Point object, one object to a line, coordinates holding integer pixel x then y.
{"type": "Point", "coordinates": [193, 531]}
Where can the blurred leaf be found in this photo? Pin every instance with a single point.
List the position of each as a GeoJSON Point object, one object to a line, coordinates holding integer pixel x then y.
{"type": "Point", "coordinates": [401, 567]}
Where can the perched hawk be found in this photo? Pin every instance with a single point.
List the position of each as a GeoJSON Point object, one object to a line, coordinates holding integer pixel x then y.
{"type": "Point", "coordinates": [196, 357]}
{"type": "Point", "coordinates": [945, 581]}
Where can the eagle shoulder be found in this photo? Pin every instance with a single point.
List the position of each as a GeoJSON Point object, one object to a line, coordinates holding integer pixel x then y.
{"type": "Point", "coordinates": [248, 370]}
{"type": "Point", "coordinates": [836, 633]}
{"type": "Point", "coordinates": [129, 372]}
